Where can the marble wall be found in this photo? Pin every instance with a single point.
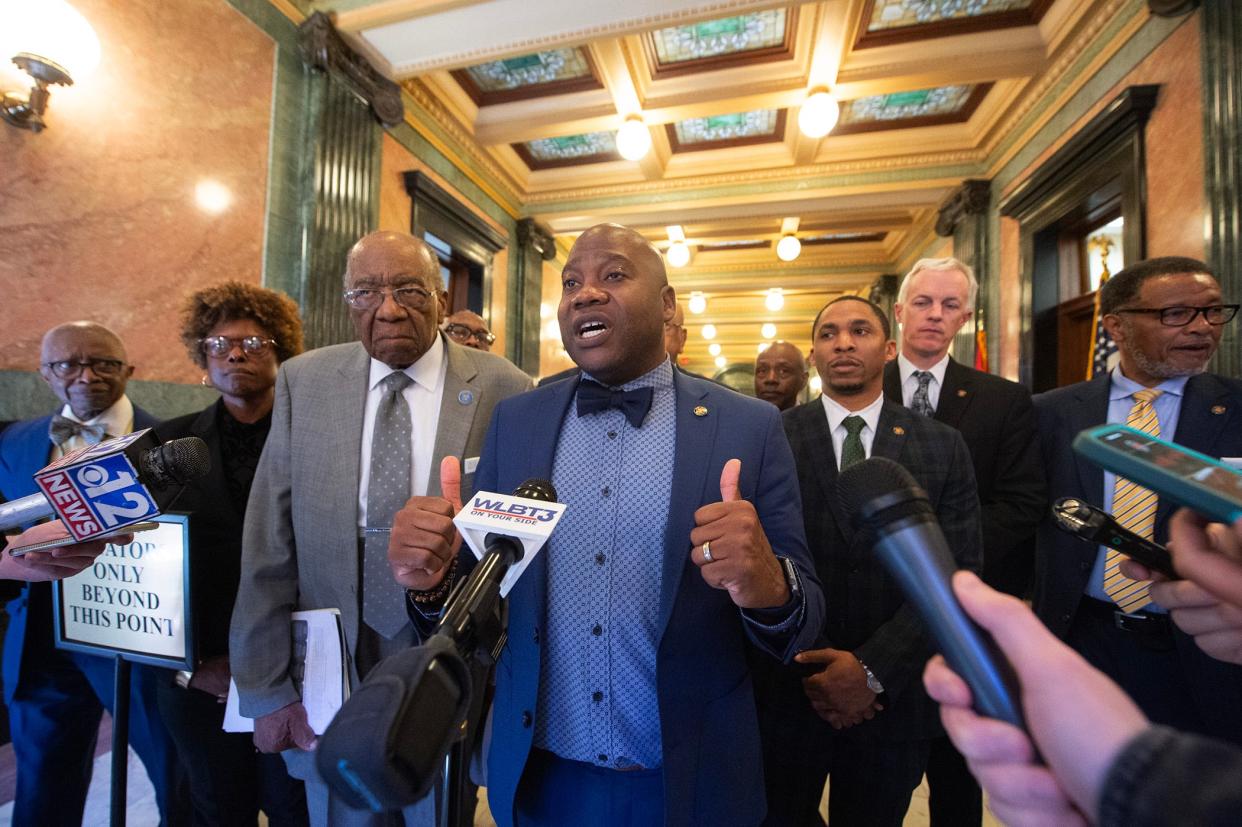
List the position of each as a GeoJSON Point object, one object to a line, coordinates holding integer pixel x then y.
{"type": "Point", "coordinates": [98, 214]}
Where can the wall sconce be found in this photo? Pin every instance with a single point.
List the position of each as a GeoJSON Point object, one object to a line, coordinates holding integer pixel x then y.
{"type": "Point", "coordinates": [52, 43]}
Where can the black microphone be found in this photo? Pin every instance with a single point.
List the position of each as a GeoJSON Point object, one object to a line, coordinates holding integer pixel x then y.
{"type": "Point", "coordinates": [886, 501]}
{"type": "Point", "coordinates": [387, 745]}
{"type": "Point", "coordinates": [1094, 525]}
{"type": "Point", "coordinates": [163, 468]}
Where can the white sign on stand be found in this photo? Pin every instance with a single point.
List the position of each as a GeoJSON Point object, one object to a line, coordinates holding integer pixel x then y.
{"type": "Point", "coordinates": [133, 601]}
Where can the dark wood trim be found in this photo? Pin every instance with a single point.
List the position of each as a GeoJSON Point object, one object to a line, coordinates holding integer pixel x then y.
{"type": "Point", "coordinates": [534, 164]}
{"type": "Point", "coordinates": [781, 51]}
{"type": "Point", "coordinates": [725, 248]}
{"type": "Point", "coordinates": [435, 210]}
{"type": "Point", "coordinates": [777, 135]}
{"type": "Point", "coordinates": [539, 90]}
{"type": "Point", "coordinates": [946, 28]}
{"type": "Point", "coordinates": [960, 116]}
{"type": "Point", "coordinates": [323, 48]}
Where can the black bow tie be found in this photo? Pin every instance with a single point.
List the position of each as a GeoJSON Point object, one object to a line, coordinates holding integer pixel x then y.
{"type": "Point", "coordinates": [594, 397]}
{"type": "Point", "coordinates": [63, 429]}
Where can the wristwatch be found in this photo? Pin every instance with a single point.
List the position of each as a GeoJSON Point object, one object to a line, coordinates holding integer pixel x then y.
{"type": "Point", "coordinates": [873, 683]}
{"type": "Point", "coordinates": [791, 578]}
{"type": "Point", "coordinates": [183, 678]}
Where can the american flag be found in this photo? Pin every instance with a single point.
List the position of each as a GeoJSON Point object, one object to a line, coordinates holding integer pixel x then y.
{"type": "Point", "coordinates": [1103, 348]}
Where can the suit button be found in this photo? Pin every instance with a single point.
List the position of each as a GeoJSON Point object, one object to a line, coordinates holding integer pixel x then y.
{"type": "Point", "coordinates": [527, 718]}
{"type": "Point", "coordinates": [1065, 617]}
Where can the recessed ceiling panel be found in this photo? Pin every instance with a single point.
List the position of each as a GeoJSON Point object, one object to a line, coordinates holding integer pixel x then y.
{"type": "Point", "coordinates": [736, 129]}
{"type": "Point", "coordinates": [713, 44]}
{"type": "Point", "coordinates": [842, 238]}
{"type": "Point", "coordinates": [553, 72]}
{"type": "Point", "coordinates": [897, 14]}
{"type": "Point", "coordinates": [569, 150]}
{"type": "Point", "coordinates": [920, 107]}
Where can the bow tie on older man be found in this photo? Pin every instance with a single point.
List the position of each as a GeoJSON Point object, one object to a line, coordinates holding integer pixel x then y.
{"type": "Point", "coordinates": [64, 429]}
{"type": "Point", "coordinates": [594, 397]}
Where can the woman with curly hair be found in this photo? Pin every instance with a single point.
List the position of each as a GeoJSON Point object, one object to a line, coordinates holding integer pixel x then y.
{"type": "Point", "coordinates": [239, 334]}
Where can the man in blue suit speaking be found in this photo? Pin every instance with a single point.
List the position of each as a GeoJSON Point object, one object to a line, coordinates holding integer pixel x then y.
{"type": "Point", "coordinates": [623, 695]}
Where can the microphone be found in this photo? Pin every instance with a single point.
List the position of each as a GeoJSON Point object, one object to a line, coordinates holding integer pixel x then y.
{"type": "Point", "coordinates": [387, 745]}
{"type": "Point", "coordinates": [470, 605]}
{"type": "Point", "coordinates": [1094, 525]}
{"type": "Point", "coordinates": [883, 499]}
{"type": "Point", "coordinates": [102, 488]}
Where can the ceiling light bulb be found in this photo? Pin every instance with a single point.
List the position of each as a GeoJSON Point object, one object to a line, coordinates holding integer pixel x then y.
{"type": "Point", "coordinates": [698, 303]}
{"type": "Point", "coordinates": [709, 331]}
{"type": "Point", "coordinates": [818, 114]}
{"type": "Point", "coordinates": [721, 361]}
{"type": "Point", "coordinates": [788, 248]}
{"type": "Point", "coordinates": [633, 139]}
{"type": "Point", "coordinates": [678, 254]}
{"type": "Point", "coordinates": [212, 196]}
{"type": "Point", "coordinates": [714, 348]}
{"type": "Point", "coordinates": [768, 330]}
{"type": "Point", "coordinates": [52, 30]}
{"type": "Point", "coordinates": [775, 299]}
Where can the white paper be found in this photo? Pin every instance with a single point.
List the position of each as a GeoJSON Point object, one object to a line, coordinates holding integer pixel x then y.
{"type": "Point", "coordinates": [324, 685]}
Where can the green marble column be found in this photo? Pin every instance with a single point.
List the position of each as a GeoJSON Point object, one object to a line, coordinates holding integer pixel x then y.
{"type": "Point", "coordinates": [964, 215]}
{"type": "Point", "coordinates": [534, 246]}
{"type": "Point", "coordinates": [1221, 28]}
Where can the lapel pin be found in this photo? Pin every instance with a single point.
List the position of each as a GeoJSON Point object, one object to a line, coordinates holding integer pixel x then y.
{"type": "Point", "coordinates": [899, 431]}
{"type": "Point", "coordinates": [961, 391]}
{"type": "Point", "coordinates": [699, 410]}
{"type": "Point", "coordinates": [1218, 409]}
{"type": "Point", "coordinates": [465, 397]}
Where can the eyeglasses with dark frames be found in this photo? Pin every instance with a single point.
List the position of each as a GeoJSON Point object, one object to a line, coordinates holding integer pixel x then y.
{"type": "Point", "coordinates": [221, 346]}
{"type": "Point", "coordinates": [409, 296]}
{"type": "Point", "coordinates": [461, 333]}
{"type": "Point", "coordinates": [1180, 315]}
{"type": "Point", "coordinates": [68, 369]}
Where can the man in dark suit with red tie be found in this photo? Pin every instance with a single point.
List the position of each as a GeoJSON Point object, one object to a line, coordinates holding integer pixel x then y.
{"type": "Point", "coordinates": [859, 714]}
{"type": "Point", "coordinates": [1166, 316]}
{"type": "Point", "coordinates": [996, 419]}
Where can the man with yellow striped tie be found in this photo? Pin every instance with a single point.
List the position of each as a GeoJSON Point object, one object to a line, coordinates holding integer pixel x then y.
{"type": "Point", "coordinates": [1166, 316]}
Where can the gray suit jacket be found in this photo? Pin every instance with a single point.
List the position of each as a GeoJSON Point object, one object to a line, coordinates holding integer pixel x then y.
{"type": "Point", "coordinates": [300, 542]}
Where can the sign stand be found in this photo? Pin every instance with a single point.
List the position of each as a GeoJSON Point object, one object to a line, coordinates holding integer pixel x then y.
{"type": "Point", "coordinates": [131, 605]}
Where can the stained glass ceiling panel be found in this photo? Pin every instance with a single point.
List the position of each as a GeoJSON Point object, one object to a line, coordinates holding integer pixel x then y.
{"type": "Point", "coordinates": [726, 36]}
{"type": "Point", "coordinates": [898, 14]}
{"type": "Point", "coordinates": [900, 106]}
{"type": "Point", "coordinates": [572, 147]}
{"type": "Point", "coordinates": [530, 70]}
{"type": "Point", "coordinates": [755, 124]}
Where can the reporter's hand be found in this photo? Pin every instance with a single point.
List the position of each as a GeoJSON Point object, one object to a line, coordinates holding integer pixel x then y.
{"type": "Point", "coordinates": [1215, 625]}
{"type": "Point", "coordinates": [742, 560]}
{"type": "Point", "coordinates": [1208, 553]}
{"type": "Point", "coordinates": [286, 728]}
{"type": "Point", "coordinates": [56, 563]}
{"type": "Point", "coordinates": [1079, 719]}
{"type": "Point", "coordinates": [424, 539]}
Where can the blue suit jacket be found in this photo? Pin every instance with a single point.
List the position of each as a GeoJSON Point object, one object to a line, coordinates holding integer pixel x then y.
{"type": "Point", "coordinates": [24, 449]}
{"type": "Point", "coordinates": [712, 766]}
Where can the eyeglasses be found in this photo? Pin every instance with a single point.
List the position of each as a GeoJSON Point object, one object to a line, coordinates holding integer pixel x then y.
{"type": "Point", "coordinates": [1180, 316]}
{"type": "Point", "coordinates": [461, 333]}
{"type": "Point", "coordinates": [221, 346]}
{"type": "Point", "coordinates": [66, 369]}
{"type": "Point", "coordinates": [411, 297]}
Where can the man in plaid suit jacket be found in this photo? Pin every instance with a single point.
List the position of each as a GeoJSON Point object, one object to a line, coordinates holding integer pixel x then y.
{"type": "Point", "coordinates": [858, 711]}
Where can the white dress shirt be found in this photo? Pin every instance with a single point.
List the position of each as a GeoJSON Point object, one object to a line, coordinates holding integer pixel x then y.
{"type": "Point", "coordinates": [117, 420]}
{"type": "Point", "coordinates": [910, 382]}
{"type": "Point", "coordinates": [837, 415]}
{"type": "Point", "coordinates": [423, 396]}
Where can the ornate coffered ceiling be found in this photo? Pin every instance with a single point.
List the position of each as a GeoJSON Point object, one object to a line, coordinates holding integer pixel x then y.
{"type": "Point", "coordinates": [536, 89]}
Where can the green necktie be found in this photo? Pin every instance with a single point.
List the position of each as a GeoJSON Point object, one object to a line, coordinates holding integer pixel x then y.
{"type": "Point", "coordinates": [852, 450]}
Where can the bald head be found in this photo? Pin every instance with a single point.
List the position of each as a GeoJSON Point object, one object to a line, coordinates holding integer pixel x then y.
{"type": "Point", "coordinates": [85, 365]}
{"type": "Point", "coordinates": [403, 246]}
{"type": "Point", "coordinates": [780, 374]}
{"type": "Point", "coordinates": [615, 303]}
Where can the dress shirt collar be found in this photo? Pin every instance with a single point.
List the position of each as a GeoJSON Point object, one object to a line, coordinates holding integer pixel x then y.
{"type": "Point", "coordinates": [117, 420]}
{"type": "Point", "coordinates": [428, 371]}
{"type": "Point", "coordinates": [907, 369]}
{"type": "Point", "coordinates": [837, 413]}
{"type": "Point", "coordinates": [659, 377]}
{"type": "Point", "coordinates": [1122, 386]}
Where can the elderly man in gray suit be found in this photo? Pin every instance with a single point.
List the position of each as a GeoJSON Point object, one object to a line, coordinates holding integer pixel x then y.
{"type": "Point", "coordinates": [357, 429]}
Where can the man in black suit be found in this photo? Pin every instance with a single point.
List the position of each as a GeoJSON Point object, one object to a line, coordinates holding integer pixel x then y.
{"type": "Point", "coordinates": [860, 714]}
{"type": "Point", "coordinates": [1166, 316]}
{"type": "Point", "coordinates": [997, 421]}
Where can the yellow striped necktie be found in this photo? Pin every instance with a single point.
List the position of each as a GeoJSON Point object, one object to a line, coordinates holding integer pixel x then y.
{"type": "Point", "coordinates": [1134, 508]}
